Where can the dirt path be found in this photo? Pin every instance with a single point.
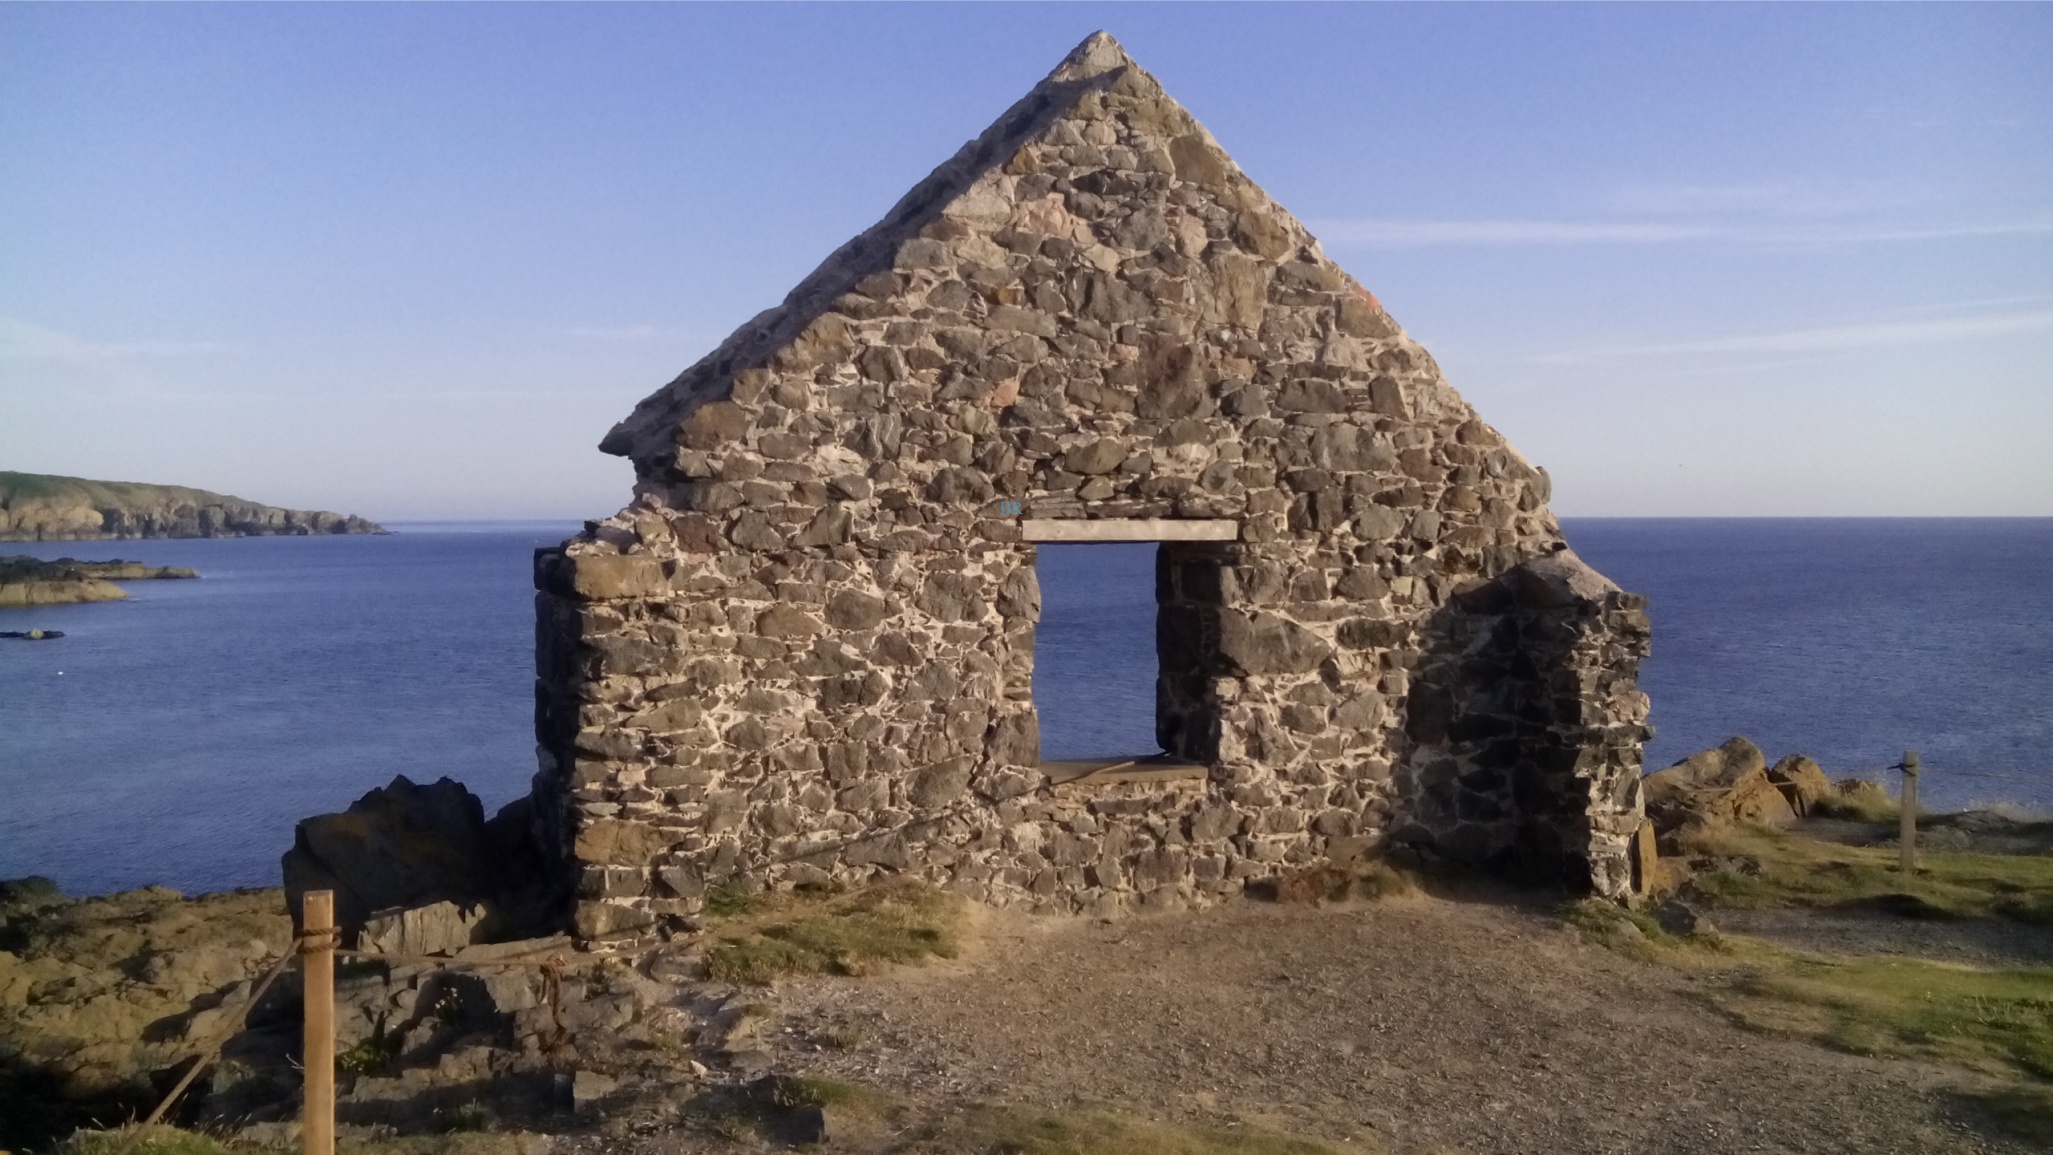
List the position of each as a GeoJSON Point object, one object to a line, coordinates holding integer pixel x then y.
{"type": "Point", "coordinates": [1477, 1024]}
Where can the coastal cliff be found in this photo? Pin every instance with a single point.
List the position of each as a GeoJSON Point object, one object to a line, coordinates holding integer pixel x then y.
{"type": "Point", "coordinates": [45, 507]}
{"type": "Point", "coordinates": [27, 581]}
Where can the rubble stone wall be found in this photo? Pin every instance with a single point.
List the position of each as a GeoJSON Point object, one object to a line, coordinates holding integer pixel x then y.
{"type": "Point", "coordinates": [804, 652]}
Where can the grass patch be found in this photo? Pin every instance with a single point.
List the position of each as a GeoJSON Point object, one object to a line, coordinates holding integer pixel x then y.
{"type": "Point", "coordinates": [1994, 1021]}
{"type": "Point", "coordinates": [1799, 871]}
{"type": "Point", "coordinates": [157, 1140]}
{"type": "Point", "coordinates": [850, 934]}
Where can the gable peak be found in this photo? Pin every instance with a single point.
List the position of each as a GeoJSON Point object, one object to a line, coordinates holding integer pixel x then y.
{"type": "Point", "coordinates": [1097, 55]}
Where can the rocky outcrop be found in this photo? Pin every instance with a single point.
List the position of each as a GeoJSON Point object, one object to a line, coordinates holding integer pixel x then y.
{"type": "Point", "coordinates": [100, 997]}
{"type": "Point", "coordinates": [28, 581]}
{"type": "Point", "coordinates": [804, 653]}
{"type": "Point", "coordinates": [418, 869]}
{"type": "Point", "coordinates": [1722, 785]}
{"type": "Point", "coordinates": [44, 507]}
{"type": "Point", "coordinates": [1802, 782]}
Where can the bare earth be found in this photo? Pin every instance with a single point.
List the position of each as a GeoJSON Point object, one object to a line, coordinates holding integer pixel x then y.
{"type": "Point", "coordinates": [1471, 1023]}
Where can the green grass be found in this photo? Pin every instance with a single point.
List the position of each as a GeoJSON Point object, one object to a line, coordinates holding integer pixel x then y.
{"type": "Point", "coordinates": [850, 934]}
{"type": "Point", "coordinates": [157, 1140]}
{"type": "Point", "coordinates": [1994, 1021]}
{"type": "Point", "coordinates": [1799, 871]}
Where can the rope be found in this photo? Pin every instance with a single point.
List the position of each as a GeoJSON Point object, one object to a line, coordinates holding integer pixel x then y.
{"type": "Point", "coordinates": [556, 960]}
{"type": "Point", "coordinates": [207, 1054]}
{"type": "Point", "coordinates": [1924, 770]}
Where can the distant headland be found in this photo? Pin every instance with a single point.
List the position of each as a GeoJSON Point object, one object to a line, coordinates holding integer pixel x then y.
{"type": "Point", "coordinates": [45, 507]}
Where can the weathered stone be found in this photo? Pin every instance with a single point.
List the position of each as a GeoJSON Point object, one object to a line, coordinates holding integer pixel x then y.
{"type": "Point", "coordinates": [615, 841]}
{"type": "Point", "coordinates": [1263, 643]}
{"type": "Point", "coordinates": [439, 928]}
{"type": "Point", "coordinates": [787, 622]}
{"type": "Point", "coordinates": [670, 717]}
{"type": "Point", "coordinates": [940, 784]}
{"type": "Point", "coordinates": [1095, 457]}
{"type": "Point", "coordinates": [712, 426]}
{"type": "Point", "coordinates": [609, 576]}
{"type": "Point", "coordinates": [1311, 395]}
{"type": "Point", "coordinates": [856, 610]}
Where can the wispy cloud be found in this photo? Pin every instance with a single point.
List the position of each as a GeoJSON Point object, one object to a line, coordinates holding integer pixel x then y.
{"type": "Point", "coordinates": [25, 341]}
{"type": "Point", "coordinates": [615, 333]}
{"type": "Point", "coordinates": [1404, 234]}
{"type": "Point", "coordinates": [631, 333]}
{"type": "Point", "coordinates": [1828, 340]}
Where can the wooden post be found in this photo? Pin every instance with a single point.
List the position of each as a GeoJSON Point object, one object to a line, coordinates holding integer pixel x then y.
{"type": "Point", "coordinates": [317, 960]}
{"type": "Point", "coordinates": [1907, 823]}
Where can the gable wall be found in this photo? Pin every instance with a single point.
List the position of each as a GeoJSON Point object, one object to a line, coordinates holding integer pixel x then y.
{"type": "Point", "coordinates": [805, 651]}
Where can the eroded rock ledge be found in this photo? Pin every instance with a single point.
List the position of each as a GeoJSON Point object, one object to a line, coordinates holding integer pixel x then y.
{"type": "Point", "coordinates": [28, 581]}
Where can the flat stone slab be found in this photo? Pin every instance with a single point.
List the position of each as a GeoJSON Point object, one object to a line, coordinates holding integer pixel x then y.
{"type": "Point", "coordinates": [1118, 771]}
{"type": "Point", "coordinates": [1129, 529]}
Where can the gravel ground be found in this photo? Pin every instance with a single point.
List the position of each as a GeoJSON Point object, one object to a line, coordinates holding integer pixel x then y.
{"type": "Point", "coordinates": [1473, 1023]}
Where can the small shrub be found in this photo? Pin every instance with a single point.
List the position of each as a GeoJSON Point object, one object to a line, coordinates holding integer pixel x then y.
{"type": "Point", "coordinates": [469, 1116]}
{"type": "Point", "coordinates": [368, 1057]}
{"type": "Point", "coordinates": [791, 1092]}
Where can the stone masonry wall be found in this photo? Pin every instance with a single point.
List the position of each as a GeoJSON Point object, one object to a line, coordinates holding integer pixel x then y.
{"type": "Point", "coordinates": [804, 652]}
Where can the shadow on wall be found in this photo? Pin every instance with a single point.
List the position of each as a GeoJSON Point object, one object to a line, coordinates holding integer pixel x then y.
{"type": "Point", "coordinates": [1523, 725]}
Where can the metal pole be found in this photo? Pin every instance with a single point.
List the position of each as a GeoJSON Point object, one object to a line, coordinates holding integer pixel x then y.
{"type": "Point", "coordinates": [317, 1116]}
{"type": "Point", "coordinates": [1907, 822]}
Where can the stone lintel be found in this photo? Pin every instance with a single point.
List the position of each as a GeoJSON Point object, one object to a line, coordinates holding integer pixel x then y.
{"type": "Point", "coordinates": [1128, 529]}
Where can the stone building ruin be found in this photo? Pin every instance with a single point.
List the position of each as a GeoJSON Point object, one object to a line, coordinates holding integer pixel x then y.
{"type": "Point", "coordinates": [803, 653]}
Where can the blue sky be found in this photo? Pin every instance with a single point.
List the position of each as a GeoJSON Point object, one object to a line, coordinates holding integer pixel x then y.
{"type": "Point", "coordinates": [413, 261]}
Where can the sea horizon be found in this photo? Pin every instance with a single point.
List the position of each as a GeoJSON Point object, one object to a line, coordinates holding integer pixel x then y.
{"type": "Point", "coordinates": [203, 719]}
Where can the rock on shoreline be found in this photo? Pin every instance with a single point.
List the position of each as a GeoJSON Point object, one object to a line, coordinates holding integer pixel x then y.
{"type": "Point", "coordinates": [28, 581]}
{"type": "Point", "coordinates": [46, 507]}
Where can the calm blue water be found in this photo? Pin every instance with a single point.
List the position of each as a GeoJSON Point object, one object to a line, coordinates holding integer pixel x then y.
{"type": "Point", "coordinates": [175, 738]}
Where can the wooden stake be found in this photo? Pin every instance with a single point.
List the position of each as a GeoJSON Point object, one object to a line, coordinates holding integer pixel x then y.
{"type": "Point", "coordinates": [317, 1114]}
{"type": "Point", "coordinates": [1907, 824]}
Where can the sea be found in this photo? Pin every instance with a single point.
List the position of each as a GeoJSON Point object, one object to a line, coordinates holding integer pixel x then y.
{"type": "Point", "coordinates": [175, 738]}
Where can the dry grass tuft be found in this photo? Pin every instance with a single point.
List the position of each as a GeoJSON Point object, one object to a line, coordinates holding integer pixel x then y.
{"type": "Point", "coordinates": [852, 934]}
{"type": "Point", "coordinates": [1857, 800]}
{"type": "Point", "coordinates": [1329, 883]}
